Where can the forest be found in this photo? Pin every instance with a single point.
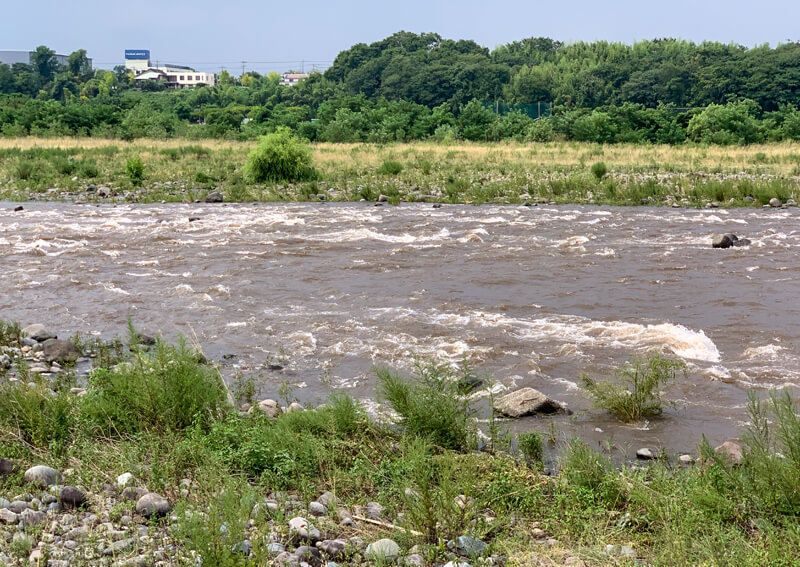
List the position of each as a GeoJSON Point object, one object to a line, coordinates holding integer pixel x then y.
{"type": "Point", "coordinates": [412, 86]}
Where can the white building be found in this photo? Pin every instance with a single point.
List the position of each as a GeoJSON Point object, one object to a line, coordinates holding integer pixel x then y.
{"type": "Point", "coordinates": [138, 61]}
{"type": "Point", "coordinates": [9, 57]}
{"type": "Point", "coordinates": [290, 79]}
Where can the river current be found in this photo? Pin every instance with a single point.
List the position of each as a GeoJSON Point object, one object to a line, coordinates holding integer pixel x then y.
{"type": "Point", "coordinates": [530, 296]}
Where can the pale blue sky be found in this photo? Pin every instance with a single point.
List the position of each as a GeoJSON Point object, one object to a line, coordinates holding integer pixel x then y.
{"type": "Point", "coordinates": [277, 36]}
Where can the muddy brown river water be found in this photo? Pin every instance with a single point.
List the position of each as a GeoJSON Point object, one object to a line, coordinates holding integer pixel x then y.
{"type": "Point", "coordinates": [529, 296]}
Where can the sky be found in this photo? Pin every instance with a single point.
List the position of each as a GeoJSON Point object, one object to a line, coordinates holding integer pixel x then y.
{"type": "Point", "coordinates": [287, 35]}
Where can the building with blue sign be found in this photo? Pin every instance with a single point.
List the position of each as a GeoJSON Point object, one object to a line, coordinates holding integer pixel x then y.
{"type": "Point", "coordinates": [137, 60]}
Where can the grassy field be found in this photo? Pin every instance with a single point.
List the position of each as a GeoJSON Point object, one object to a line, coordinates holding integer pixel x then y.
{"type": "Point", "coordinates": [426, 470]}
{"type": "Point", "coordinates": [558, 172]}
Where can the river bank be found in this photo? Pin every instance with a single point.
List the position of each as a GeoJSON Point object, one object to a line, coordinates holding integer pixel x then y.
{"type": "Point", "coordinates": [183, 477]}
{"type": "Point", "coordinates": [90, 170]}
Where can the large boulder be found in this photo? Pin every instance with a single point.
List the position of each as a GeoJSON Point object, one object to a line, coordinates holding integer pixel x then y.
{"type": "Point", "coordinates": [723, 240]}
{"type": "Point", "coordinates": [730, 451]}
{"type": "Point", "coordinates": [153, 505]}
{"type": "Point", "coordinates": [269, 407]}
{"type": "Point", "coordinates": [214, 197]}
{"type": "Point", "coordinates": [42, 475]}
{"type": "Point", "coordinates": [6, 467]}
{"type": "Point", "coordinates": [527, 401]}
{"type": "Point", "coordinates": [56, 350]}
{"type": "Point", "coordinates": [38, 332]}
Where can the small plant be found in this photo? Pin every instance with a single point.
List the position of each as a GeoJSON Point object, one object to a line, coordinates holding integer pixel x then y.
{"type": "Point", "coordinates": [531, 446]}
{"type": "Point", "coordinates": [135, 170]}
{"type": "Point", "coordinates": [10, 332]}
{"type": "Point", "coordinates": [599, 170]}
{"type": "Point", "coordinates": [390, 167]}
{"type": "Point", "coordinates": [430, 406]}
{"type": "Point", "coordinates": [280, 156]}
{"type": "Point", "coordinates": [638, 395]}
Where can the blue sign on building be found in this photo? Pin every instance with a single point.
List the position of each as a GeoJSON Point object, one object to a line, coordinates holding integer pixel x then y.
{"type": "Point", "coordinates": [137, 54]}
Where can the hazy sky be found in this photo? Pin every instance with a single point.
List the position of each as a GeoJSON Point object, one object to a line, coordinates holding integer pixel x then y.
{"type": "Point", "coordinates": [278, 36]}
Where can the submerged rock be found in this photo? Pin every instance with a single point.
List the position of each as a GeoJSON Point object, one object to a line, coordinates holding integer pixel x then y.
{"type": "Point", "coordinates": [527, 401]}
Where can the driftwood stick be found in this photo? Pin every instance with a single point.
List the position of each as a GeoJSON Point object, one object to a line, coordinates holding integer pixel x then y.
{"type": "Point", "coordinates": [386, 525]}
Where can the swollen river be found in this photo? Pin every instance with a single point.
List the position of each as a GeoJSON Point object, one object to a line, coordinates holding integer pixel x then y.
{"type": "Point", "coordinates": [529, 296]}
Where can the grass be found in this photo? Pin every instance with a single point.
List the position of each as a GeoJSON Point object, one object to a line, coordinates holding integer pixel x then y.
{"type": "Point", "coordinates": [460, 173]}
{"type": "Point", "coordinates": [635, 394]}
{"type": "Point", "coordinates": [434, 486]}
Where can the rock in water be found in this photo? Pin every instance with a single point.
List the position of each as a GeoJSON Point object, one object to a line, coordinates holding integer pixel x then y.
{"type": "Point", "coordinates": [153, 505]}
{"type": "Point", "coordinates": [42, 475]}
{"type": "Point", "coordinates": [37, 332]}
{"type": "Point", "coordinates": [775, 202]}
{"type": "Point", "coordinates": [56, 350]}
{"type": "Point", "coordinates": [214, 197]}
{"type": "Point", "coordinates": [723, 240]}
{"type": "Point", "coordinates": [527, 401]}
{"type": "Point", "coordinates": [646, 454]}
{"type": "Point", "coordinates": [731, 451]}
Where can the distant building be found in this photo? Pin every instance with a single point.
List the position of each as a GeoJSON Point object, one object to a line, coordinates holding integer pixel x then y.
{"type": "Point", "coordinates": [291, 79]}
{"type": "Point", "coordinates": [10, 57]}
{"type": "Point", "coordinates": [138, 61]}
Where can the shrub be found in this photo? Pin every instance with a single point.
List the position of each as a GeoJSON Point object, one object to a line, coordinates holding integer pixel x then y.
{"type": "Point", "coordinates": [772, 461]}
{"type": "Point", "coordinates": [135, 170]}
{"type": "Point", "coordinates": [638, 395]}
{"type": "Point", "coordinates": [280, 156]}
{"type": "Point", "coordinates": [162, 391]}
{"type": "Point", "coordinates": [599, 170]}
{"type": "Point", "coordinates": [591, 473]}
{"type": "Point", "coordinates": [431, 405]}
{"type": "Point", "coordinates": [41, 419]}
{"type": "Point", "coordinates": [390, 167]}
{"type": "Point", "coordinates": [64, 166]}
{"type": "Point", "coordinates": [88, 168]}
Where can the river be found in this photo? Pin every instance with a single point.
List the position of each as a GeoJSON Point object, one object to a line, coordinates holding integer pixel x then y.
{"type": "Point", "coordinates": [530, 296]}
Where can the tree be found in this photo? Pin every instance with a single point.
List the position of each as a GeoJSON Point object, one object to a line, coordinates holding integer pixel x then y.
{"type": "Point", "coordinates": [44, 62]}
{"type": "Point", "coordinates": [78, 64]}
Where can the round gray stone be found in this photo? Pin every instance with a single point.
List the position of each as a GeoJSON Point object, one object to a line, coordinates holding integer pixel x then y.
{"type": "Point", "coordinates": [42, 475]}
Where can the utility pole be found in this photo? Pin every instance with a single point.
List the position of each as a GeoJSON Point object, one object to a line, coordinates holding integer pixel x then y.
{"type": "Point", "coordinates": [243, 62]}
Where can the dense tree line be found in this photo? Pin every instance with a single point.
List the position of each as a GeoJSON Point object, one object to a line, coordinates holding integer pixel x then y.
{"type": "Point", "coordinates": [419, 86]}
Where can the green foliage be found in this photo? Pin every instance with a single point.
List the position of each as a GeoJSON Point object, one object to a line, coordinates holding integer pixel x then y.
{"type": "Point", "coordinates": [10, 332]}
{"type": "Point", "coordinates": [638, 395]}
{"type": "Point", "coordinates": [599, 170]}
{"type": "Point", "coordinates": [134, 168]}
{"type": "Point", "coordinates": [280, 156]}
{"type": "Point", "coordinates": [430, 405]}
{"type": "Point", "coordinates": [772, 463]}
{"type": "Point", "coordinates": [531, 446]}
{"type": "Point", "coordinates": [733, 123]}
{"type": "Point", "coordinates": [438, 495]}
{"type": "Point", "coordinates": [159, 391]}
{"type": "Point", "coordinates": [87, 168]}
{"type": "Point", "coordinates": [41, 419]}
{"type": "Point", "coordinates": [390, 167]}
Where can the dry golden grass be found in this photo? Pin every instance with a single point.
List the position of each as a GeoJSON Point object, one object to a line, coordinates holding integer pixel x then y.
{"type": "Point", "coordinates": [779, 159]}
